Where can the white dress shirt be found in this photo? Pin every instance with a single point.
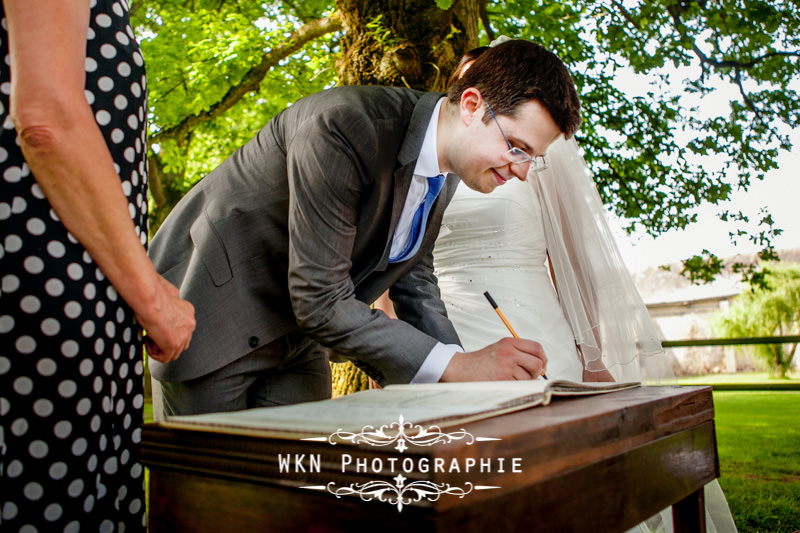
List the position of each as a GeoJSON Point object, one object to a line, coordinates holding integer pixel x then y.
{"type": "Point", "coordinates": [427, 166]}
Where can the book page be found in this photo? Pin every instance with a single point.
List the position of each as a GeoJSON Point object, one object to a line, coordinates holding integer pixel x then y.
{"type": "Point", "coordinates": [571, 388]}
{"type": "Point", "coordinates": [493, 388]}
{"type": "Point", "coordinates": [423, 404]}
{"type": "Point", "coordinates": [378, 407]}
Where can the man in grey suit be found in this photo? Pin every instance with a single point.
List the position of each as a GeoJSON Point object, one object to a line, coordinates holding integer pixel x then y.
{"type": "Point", "coordinates": [283, 247]}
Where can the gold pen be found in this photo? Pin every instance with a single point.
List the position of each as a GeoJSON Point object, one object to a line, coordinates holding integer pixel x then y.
{"type": "Point", "coordinates": [503, 318]}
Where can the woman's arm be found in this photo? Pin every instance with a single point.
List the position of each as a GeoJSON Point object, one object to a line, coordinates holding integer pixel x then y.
{"type": "Point", "coordinates": [67, 154]}
{"type": "Point", "coordinates": [588, 375]}
{"type": "Point", "coordinates": [384, 303]}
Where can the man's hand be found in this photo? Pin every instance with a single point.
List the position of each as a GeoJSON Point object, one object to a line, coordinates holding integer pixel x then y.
{"type": "Point", "coordinates": [507, 359]}
{"type": "Point", "coordinates": [169, 323]}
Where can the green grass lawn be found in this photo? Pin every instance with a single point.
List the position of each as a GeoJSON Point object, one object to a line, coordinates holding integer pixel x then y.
{"type": "Point", "coordinates": [761, 378]}
{"type": "Point", "coordinates": [758, 437]}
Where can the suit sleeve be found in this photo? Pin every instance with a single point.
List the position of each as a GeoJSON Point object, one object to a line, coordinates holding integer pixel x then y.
{"type": "Point", "coordinates": [330, 166]}
{"type": "Point", "coordinates": [417, 301]}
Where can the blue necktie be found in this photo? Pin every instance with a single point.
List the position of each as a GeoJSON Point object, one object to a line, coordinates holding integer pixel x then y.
{"type": "Point", "coordinates": [420, 219]}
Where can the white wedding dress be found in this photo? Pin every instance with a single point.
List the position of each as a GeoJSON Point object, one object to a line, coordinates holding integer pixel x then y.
{"type": "Point", "coordinates": [499, 243]}
{"type": "Point", "coordinates": [496, 243]}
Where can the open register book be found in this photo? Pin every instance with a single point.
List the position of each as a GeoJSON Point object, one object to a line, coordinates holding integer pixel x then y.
{"type": "Point", "coordinates": [441, 404]}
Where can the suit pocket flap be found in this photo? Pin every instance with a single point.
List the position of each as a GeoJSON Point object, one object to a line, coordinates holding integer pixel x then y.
{"type": "Point", "coordinates": [211, 250]}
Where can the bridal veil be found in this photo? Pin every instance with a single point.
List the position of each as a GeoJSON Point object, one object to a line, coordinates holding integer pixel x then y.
{"type": "Point", "coordinates": [609, 321]}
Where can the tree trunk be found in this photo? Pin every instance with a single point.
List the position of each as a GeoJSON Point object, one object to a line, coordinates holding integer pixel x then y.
{"type": "Point", "coordinates": [777, 365]}
{"type": "Point", "coordinates": [411, 43]}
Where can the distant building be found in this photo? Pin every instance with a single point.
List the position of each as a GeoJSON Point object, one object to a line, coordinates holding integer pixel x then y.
{"type": "Point", "coordinates": [682, 311]}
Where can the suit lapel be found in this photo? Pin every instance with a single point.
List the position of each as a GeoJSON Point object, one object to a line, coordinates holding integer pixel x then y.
{"type": "Point", "coordinates": [437, 211]}
{"type": "Point", "coordinates": [407, 158]}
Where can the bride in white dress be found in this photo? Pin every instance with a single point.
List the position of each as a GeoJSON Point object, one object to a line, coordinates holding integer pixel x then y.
{"type": "Point", "coordinates": [543, 249]}
{"type": "Point", "coordinates": [496, 243]}
{"type": "Point", "coordinates": [581, 305]}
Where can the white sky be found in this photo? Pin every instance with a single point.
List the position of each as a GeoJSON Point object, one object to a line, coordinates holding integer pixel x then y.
{"type": "Point", "coordinates": [779, 191]}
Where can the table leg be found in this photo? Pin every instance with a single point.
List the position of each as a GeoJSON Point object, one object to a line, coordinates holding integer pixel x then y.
{"type": "Point", "coordinates": [689, 514]}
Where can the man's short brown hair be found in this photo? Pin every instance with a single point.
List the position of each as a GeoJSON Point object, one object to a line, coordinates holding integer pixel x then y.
{"type": "Point", "coordinates": [516, 71]}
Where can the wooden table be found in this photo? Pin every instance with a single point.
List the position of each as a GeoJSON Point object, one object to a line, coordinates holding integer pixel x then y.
{"type": "Point", "coordinates": [598, 463]}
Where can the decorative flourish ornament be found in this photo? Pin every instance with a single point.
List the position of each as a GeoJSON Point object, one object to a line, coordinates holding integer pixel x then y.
{"type": "Point", "coordinates": [400, 494]}
{"type": "Point", "coordinates": [401, 432]}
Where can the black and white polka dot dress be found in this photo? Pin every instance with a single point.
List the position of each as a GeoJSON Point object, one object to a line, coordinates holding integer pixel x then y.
{"type": "Point", "coordinates": [70, 350]}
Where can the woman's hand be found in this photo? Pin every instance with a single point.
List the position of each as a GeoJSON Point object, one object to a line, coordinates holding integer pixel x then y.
{"type": "Point", "coordinates": [168, 323]}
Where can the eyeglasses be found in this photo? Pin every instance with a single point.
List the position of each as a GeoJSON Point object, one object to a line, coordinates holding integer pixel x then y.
{"type": "Point", "coordinates": [516, 155]}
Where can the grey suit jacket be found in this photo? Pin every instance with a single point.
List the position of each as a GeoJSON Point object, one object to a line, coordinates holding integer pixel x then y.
{"type": "Point", "coordinates": [294, 231]}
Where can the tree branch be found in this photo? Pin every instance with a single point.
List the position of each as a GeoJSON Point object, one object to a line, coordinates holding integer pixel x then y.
{"type": "Point", "coordinates": [487, 24]}
{"type": "Point", "coordinates": [675, 12]}
{"type": "Point", "coordinates": [626, 14]}
{"type": "Point", "coordinates": [297, 11]}
{"type": "Point", "coordinates": [747, 100]}
{"type": "Point", "coordinates": [155, 181]}
{"type": "Point", "coordinates": [252, 79]}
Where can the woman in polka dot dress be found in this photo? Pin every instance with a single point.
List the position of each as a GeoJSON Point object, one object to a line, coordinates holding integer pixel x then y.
{"type": "Point", "coordinates": [76, 287]}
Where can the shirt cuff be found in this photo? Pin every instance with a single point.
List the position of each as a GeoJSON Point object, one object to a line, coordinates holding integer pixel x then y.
{"type": "Point", "coordinates": [438, 359]}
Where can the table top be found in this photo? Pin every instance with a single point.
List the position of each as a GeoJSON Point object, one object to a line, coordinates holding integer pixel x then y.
{"type": "Point", "coordinates": [579, 464]}
{"type": "Point", "coordinates": [507, 452]}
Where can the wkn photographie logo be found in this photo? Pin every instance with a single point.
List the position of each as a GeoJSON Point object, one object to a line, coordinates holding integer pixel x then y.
{"type": "Point", "coordinates": [403, 491]}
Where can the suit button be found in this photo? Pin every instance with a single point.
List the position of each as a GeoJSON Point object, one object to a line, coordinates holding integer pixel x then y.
{"type": "Point", "coordinates": [253, 342]}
